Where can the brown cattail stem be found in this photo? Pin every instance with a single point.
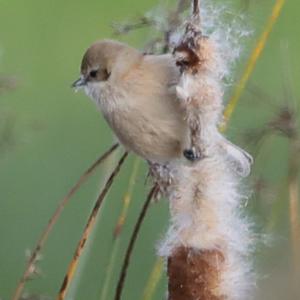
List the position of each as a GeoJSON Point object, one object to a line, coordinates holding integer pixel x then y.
{"type": "Point", "coordinates": [194, 274]}
{"type": "Point", "coordinates": [87, 231]}
{"type": "Point", "coordinates": [196, 9]}
{"type": "Point", "coordinates": [132, 241]}
{"type": "Point", "coordinates": [44, 236]}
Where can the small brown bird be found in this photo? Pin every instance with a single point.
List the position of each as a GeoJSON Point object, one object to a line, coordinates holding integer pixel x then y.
{"type": "Point", "coordinates": [136, 94]}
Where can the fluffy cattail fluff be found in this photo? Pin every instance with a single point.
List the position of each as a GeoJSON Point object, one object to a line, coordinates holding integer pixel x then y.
{"type": "Point", "coordinates": [208, 242]}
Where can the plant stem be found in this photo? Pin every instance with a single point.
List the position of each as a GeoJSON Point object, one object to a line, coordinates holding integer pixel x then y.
{"type": "Point", "coordinates": [52, 221]}
{"type": "Point", "coordinates": [132, 241]}
{"type": "Point", "coordinates": [293, 188]}
{"type": "Point", "coordinates": [154, 279]}
{"type": "Point", "coordinates": [118, 228]}
{"type": "Point", "coordinates": [87, 231]}
{"type": "Point", "coordinates": [260, 45]}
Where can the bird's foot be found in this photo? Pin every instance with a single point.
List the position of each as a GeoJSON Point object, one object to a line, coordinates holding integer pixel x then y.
{"type": "Point", "coordinates": [192, 155]}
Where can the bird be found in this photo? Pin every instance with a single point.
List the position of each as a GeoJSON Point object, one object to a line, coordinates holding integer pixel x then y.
{"type": "Point", "coordinates": [137, 95]}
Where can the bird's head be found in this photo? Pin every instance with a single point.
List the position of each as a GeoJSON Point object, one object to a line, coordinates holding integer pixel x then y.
{"type": "Point", "coordinates": [97, 64]}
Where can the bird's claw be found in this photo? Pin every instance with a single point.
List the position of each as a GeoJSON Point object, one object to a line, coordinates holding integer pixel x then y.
{"type": "Point", "coordinates": [191, 155]}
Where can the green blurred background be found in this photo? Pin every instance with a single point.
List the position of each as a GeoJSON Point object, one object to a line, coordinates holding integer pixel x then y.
{"type": "Point", "coordinates": [49, 135]}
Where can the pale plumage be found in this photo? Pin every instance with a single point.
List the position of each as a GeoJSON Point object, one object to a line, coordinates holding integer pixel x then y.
{"type": "Point", "coordinates": [140, 98]}
{"type": "Point", "coordinates": [136, 94]}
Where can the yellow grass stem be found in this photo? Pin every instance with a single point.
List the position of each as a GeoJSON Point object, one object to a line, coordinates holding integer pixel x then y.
{"type": "Point", "coordinates": [110, 269]}
{"type": "Point", "coordinates": [154, 279]}
{"type": "Point", "coordinates": [260, 45]}
{"type": "Point", "coordinates": [119, 226]}
{"type": "Point", "coordinates": [127, 198]}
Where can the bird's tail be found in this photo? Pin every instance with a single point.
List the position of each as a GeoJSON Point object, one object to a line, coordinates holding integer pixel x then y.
{"type": "Point", "coordinates": [238, 158]}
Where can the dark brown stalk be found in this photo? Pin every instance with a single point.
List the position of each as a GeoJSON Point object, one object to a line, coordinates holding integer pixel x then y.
{"type": "Point", "coordinates": [30, 267]}
{"type": "Point", "coordinates": [132, 241]}
{"type": "Point", "coordinates": [196, 7]}
{"type": "Point", "coordinates": [87, 230]}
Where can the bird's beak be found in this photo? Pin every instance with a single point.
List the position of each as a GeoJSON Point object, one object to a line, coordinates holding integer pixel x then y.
{"type": "Point", "coordinates": [79, 83]}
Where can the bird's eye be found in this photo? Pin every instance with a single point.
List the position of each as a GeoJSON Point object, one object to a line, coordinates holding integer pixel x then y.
{"type": "Point", "coordinates": [93, 73]}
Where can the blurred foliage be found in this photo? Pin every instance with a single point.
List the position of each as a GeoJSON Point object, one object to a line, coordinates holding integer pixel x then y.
{"type": "Point", "coordinates": [49, 135]}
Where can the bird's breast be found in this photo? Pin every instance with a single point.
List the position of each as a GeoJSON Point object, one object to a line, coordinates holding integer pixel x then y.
{"type": "Point", "coordinates": [150, 135]}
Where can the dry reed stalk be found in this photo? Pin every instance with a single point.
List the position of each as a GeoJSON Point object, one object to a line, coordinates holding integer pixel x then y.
{"type": "Point", "coordinates": [87, 231]}
{"type": "Point", "coordinates": [152, 194]}
{"type": "Point", "coordinates": [30, 267]}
